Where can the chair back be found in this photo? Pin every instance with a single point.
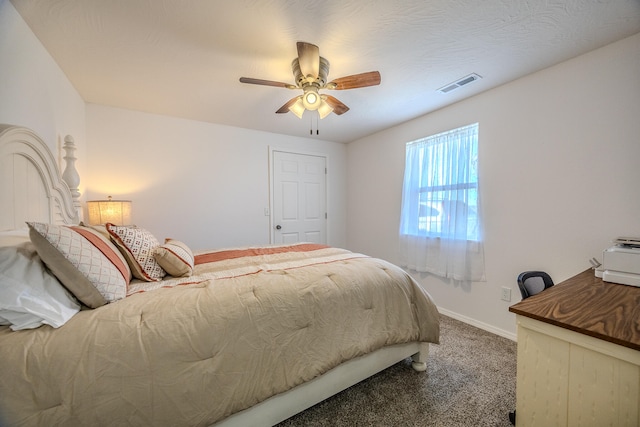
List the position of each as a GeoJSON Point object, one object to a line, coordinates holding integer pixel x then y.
{"type": "Point", "coordinates": [533, 282]}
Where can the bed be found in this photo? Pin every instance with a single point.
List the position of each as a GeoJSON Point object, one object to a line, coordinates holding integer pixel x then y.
{"type": "Point", "coordinates": [232, 337]}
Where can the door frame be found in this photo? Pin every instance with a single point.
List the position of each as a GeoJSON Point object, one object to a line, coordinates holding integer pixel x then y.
{"type": "Point", "coordinates": [271, 183]}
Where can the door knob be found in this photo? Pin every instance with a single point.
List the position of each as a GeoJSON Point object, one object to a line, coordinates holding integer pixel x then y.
{"type": "Point", "coordinates": [278, 227]}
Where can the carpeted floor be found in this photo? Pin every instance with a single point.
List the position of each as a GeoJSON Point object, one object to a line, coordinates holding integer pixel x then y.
{"type": "Point", "coordinates": [470, 381]}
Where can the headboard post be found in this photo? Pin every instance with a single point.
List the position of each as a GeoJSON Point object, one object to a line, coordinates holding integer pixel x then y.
{"type": "Point", "coordinates": [31, 186]}
{"type": "Point", "coordinates": [70, 174]}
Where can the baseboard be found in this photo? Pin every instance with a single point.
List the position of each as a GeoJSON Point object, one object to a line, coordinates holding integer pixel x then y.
{"type": "Point", "coordinates": [473, 322]}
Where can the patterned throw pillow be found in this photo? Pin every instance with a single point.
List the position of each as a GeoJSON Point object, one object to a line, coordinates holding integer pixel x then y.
{"type": "Point", "coordinates": [89, 269]}
{"type": "Point", "coordinates": [137, 245]}
{"type": "Point", "coordinates": [175, 258]}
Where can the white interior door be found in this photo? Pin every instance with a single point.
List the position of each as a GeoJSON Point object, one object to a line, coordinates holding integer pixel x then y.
{"type": "Point", "coordinates": [299, 198]}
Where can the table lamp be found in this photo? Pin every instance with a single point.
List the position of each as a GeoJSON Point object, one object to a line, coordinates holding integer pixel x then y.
{"type": "Point", "coordinates": [117, 212]}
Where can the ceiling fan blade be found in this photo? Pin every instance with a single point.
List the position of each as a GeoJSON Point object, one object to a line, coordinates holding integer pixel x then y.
{"type": "Point", "coordinates": [338, 106]}
{"type": "Point", "coordinates": [285, 107]}
{"type": "Point", "coordinates": [266, 83]}
{"type": "Point", "coordinates": [309, 59]}
{"type": "Point", "coordinates": [372, 78]}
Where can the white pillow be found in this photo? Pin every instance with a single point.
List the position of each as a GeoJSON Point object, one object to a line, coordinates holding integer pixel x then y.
{"type": "Point", "coordinates": [30, 296]}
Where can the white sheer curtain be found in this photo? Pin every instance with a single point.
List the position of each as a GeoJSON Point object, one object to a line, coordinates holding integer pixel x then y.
{"type": "Point", "coordinates": [440, 227]}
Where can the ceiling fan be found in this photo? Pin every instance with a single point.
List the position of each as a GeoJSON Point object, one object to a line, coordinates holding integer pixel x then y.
{"type": "Point", "coordinates": [310, 71]}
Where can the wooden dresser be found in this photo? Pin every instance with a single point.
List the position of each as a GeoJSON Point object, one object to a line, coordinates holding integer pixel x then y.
{"type": "Point", "coordinates": [579, 355]}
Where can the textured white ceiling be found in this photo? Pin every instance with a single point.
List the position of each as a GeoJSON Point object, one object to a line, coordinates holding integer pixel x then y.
{"type": "Point", "coordinates": [183, 58]}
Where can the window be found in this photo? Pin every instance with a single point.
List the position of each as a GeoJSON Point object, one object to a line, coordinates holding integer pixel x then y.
{"type": "Point", "coordinates": [440, 217]}
{"type": "Point", "coordinates": [441, 185]}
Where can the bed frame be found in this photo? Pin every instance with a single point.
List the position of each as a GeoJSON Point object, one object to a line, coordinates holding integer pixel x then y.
{"type": "Point", "coordinates": [32, 189]}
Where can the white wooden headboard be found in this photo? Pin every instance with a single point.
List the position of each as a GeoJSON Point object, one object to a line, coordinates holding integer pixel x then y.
{"type": "Point", "coordinates": [31, 186]}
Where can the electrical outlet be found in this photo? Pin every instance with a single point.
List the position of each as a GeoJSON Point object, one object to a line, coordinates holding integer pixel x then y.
{"type": "Point", "coordinates": [506, 294]}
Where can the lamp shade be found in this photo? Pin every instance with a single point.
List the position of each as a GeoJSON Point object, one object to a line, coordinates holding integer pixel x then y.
{"type": "Point", "coordinates": [297, 108]}
{"type": "Point", "coordinates": [117, 212]}
{"type": "Point", "coordinates": [325, 109]}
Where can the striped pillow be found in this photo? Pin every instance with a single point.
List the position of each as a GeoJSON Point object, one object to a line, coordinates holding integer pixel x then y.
{"type": "Point", "coordinates": [88, 266]}
{"type": "Point", "coordinates": [106, 246]}
{"type": "Point", "coordinates": [175, 258]}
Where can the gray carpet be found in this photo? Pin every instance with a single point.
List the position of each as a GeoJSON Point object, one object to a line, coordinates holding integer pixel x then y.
{"type": "Point", "coordinates": [470, 381]}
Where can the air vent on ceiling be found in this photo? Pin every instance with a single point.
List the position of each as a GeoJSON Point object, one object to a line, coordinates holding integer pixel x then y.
{"type": "Point", "coordinates": [463, 81]}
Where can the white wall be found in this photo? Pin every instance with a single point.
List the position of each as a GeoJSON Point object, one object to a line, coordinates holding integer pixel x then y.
{"type": "Point", "coordinates": [559, 170]}
{"type": "Point", "coordinates": [34, 92]}
{"type": "Point", "coordinates": [202, 183]}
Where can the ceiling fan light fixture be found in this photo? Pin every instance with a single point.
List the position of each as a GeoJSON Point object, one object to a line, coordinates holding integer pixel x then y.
{"type": "Point", "coordinates": [311, 71]}
{"type": "Point", "coordinates": [311, 99]}
{"type": "Point", "coordinates": [324, 109]}
{"type": "Point", "coordinates": [297, 107]}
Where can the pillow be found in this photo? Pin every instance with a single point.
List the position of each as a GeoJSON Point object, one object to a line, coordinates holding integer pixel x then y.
{"type": "Point", "coordinates": [137, 246]}
{"type": "Point", "coordinates": [85, 265]}
{"type": "Point", "coordinates": [175, 258]}
{"type": "Point", "coordinates": [101, 239]}
{"type": "Point", "coordinates": [102, 229]}
{"type": "Point", "coordinates": [30, 296]}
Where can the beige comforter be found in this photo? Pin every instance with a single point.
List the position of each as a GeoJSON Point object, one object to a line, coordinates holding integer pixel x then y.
{"type": "Point", "coordinates": [198, 349]}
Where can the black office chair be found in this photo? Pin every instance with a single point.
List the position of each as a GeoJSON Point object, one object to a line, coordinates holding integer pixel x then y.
{"type": "Point", "coordinates": [531, 283]}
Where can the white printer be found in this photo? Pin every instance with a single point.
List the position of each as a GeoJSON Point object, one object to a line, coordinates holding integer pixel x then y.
{"type": "Point", "coordinates": [621, 263]}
